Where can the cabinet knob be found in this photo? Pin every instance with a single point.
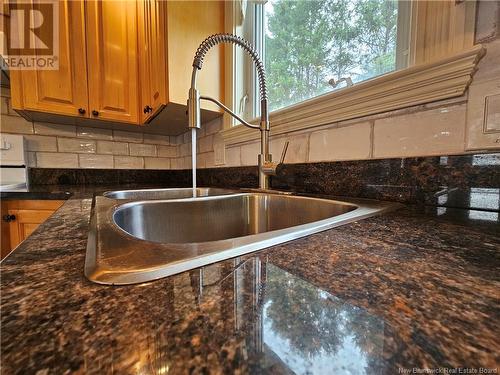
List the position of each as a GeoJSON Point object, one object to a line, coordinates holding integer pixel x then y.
{"type": "Point", "coordinates": [95, 113]}
{"type": "Point", "coordinates": [147, 109]}
{"type": "Point", "coordinates": [9, 218]}
{"type": "Point", "coordinates": [81, 111]}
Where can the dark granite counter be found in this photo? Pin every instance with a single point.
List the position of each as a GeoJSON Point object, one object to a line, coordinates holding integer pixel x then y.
{"type": "Point", "coordinates": [63, 192]}
{"type": "Point", "coordinates": [380, 296]}
{"type": "Point", "coordinates": [35, 195]}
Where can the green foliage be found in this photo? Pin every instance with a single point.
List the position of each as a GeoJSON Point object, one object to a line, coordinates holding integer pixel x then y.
{"type": "Point", "coordinates": [309, 42]}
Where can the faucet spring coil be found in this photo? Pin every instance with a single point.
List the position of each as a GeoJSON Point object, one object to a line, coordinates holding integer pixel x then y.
{"type": "Point", "coordinates": [215, 39]}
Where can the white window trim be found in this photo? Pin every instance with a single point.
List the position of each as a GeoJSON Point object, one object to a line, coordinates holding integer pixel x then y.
{"type": "Point", "coordinates": [441, 78]}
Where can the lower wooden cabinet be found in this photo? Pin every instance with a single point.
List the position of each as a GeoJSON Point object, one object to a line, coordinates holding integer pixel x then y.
{"type": "Point", "coordinates": [20, 218]}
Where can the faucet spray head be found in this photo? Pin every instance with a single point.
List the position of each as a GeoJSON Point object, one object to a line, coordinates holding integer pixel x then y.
{"type": "Point", "coordinates": [194, 108]}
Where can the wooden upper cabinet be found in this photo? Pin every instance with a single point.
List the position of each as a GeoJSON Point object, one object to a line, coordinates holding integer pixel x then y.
{"type": "Point", "coordinates": [112, 60]}
{"type": "Point", "coordinates": [62, 91]}
{"type": "Point", "coordinates": [152, 56]}
{"type": "Point", "coordinates": [126, 62]}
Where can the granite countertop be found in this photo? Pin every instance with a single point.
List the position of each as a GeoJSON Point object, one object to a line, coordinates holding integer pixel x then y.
{"type": "Point", "coordinates": [62, 192]}
{"type": "Point", "coordinates": [399, 291]}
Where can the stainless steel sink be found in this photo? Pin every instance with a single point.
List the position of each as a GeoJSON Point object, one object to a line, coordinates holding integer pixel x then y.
{"type": "Point", "coordinates": [222, 218]}
{"type": "Point", "coordinates": [141, 241]}
{"type": "Point", "coordinates": [176, 193]}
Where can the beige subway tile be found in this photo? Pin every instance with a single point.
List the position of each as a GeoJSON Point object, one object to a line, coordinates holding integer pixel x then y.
{"type": "Point", "coordinates": [296, 151]}
{"type": "Point", "coordinates": [201, 161]}
{"type": "Point", "coordinates": [186, 162]}
{"type": "Point", "coordinates": [129, 162]}
{"type": "Point", "coordinates": [32, 159]}
{"type": "Point", "coordinates": [5, 105]}
{"type": "Point", "coordinates": [185, 149]}
{"type": "Point", "coordinates": [347, 143]}
{"type": "Point", "coordinates": [179, 140]}
{"type": "Point", "coordinates": [157, 163]}
{"type": "Point", "coordinates": [40, 143]}
{"type": "Point", "coordinates": [112, 148]}
{"type": "Point", "coordinates": [76, 145]}
{"type": "Point", "coordinates": [187, 137]}
{"type": "Point", "coordinates": [119, 135]}
{"type": "Point", "coordinates": [176, 163]}
{"type": "Point", "coordinates": [47, 128]}
{"type": "Point", "coordinates": [213, 126]}
{"type": "Point", "coordinates": [206, 160]}
{"type": "Point", "coordinates": [249, 153]}
{"type": "Point", "coordinates": [95, 161]}
{"type": "Point", "coordinates": [434, 132]}
{"type": "Point", "coordinates": [233, 156]}
{"type": "Point", "coordinates": [12, 111]}
{"type": "Point", "coordinates": [8, 110]}
{"type": "Point", "coordinates": [206, 143]}
{"type": "Point", "coordinates": [15, 124]}
{"type": "Point", "coordinates": [174, 141]}
{"type": "Point", "coordinates": [462, 99]}
{"type": "Point", "coordinates": [167, 151]}
{"type": "Point", "coordinates": [94, 133]}
{"type": "Point", "coordinates": [139, 149]}
{"type": "Point", "coordinates": [56, 160]}
{"type": "Point", "coordinates": [156, 139]}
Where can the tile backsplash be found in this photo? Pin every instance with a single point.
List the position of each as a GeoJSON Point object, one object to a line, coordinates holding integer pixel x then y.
{"type": "Point", "coordinates": [68, 146]}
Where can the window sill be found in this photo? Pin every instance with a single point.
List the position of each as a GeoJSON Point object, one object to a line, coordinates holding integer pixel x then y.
{"type": "Point", "coordinates": [442, 79]}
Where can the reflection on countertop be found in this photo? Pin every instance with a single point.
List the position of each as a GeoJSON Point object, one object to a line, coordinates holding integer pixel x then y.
{"type": "Point", "coordinates": [411, 288]}
{"type": "Point", "coordinates": [312, 331]}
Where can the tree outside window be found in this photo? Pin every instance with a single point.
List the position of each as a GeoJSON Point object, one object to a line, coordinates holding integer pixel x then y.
{"type": "Point", "coordinates": [307, 43]}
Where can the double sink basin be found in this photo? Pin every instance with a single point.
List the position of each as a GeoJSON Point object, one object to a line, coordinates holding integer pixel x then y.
{"type": "Point", "coordinates": [137, 236]}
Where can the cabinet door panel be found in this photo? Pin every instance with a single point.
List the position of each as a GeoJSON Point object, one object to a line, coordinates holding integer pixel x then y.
{"type": "Point", "coordinates": [29, 214]}
{"type": "Point", "coordinates": [62, 91]}
{"type": "Point", "coordinates": [25, 223]}
{"type": "Point", "coordinates": [112, 60]}
{"type": "Point", "coordinates": [152, 56]}
{"type": "Point", "coordinates": [157, 36]}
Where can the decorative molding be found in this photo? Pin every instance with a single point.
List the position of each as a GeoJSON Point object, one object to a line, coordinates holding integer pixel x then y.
{"type": "Point", "coordinates": [440, 29]}
{"type": "Point", "coordinates": [442, 79]}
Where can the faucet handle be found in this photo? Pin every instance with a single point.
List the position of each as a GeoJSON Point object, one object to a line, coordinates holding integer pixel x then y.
{"type": "Point", "coordinates": [283, 153]}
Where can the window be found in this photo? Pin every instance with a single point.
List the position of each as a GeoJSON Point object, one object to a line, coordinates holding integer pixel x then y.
{"type": "Point", "coordinates": [397, 54]}
{"type": "Point", "coordinates": [314, 47]}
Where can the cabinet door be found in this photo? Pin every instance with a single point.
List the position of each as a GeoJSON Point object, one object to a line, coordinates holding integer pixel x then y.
{"type": "Point", "coordinates": [152, 56]}
{"type": "Point", "coordinates": [5, 240]}
{"type": "Point", "coordinates": [62, 91]}
{"type": "Point", "coordinates": [25, 223]}
{"type": "Point", "coordinates": [112, 60]}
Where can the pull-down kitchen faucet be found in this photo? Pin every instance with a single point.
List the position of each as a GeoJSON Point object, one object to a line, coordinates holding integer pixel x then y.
{"type": "Point", "coordinates": [266, 166]}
